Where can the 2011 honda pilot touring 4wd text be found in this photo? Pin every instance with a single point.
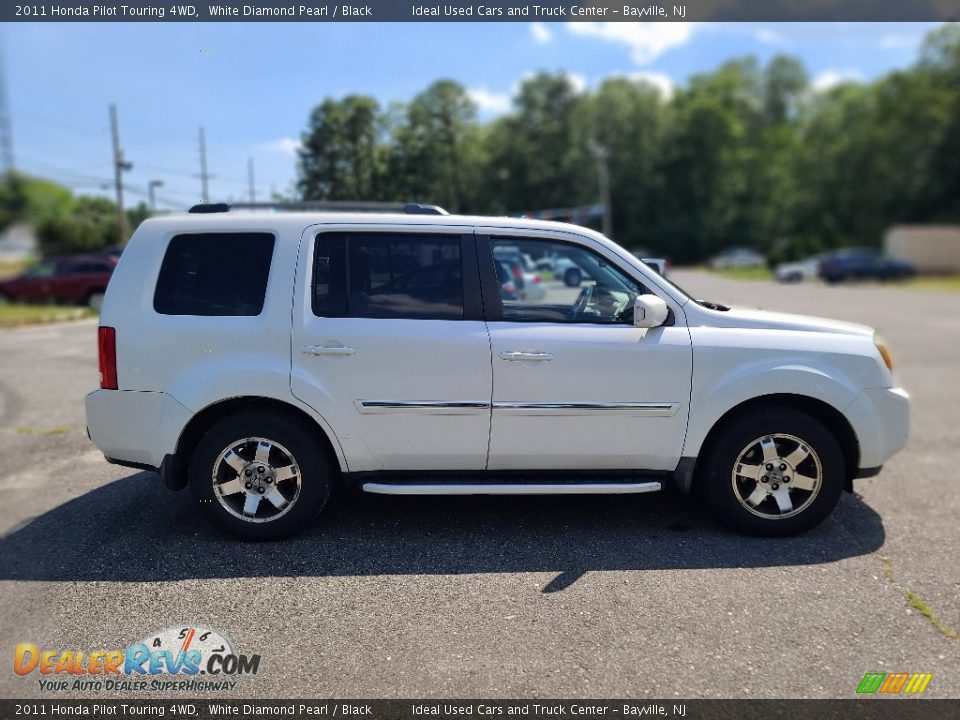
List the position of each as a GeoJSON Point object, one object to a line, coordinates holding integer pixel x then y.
{"type": "Point", "coordinates": [260, 358]}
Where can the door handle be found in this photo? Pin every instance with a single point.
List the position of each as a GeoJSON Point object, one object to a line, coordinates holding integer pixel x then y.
{"type": "Point", "coordinates": [515, 356]}
{"type": "Point", "coordinates": [327, 350]}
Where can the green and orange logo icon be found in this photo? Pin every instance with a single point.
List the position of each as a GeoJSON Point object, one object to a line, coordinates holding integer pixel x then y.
{"type": "Point", "coordinates": [894, 683]}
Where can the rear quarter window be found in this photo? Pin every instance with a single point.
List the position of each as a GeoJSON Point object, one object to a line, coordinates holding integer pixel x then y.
{"type": "Point", "coordinates": [221, 274]}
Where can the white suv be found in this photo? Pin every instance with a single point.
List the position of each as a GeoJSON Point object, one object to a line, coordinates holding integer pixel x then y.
{"type": "Point", "coordinates": [260, 358]}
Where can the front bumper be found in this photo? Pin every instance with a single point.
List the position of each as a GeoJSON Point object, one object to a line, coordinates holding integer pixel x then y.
{"type": "Point", "coordinates": [135, 428]}
{"type": "Point", "coordinates": [881, 420]}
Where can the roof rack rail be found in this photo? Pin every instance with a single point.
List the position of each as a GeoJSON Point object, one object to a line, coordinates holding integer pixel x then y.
{"type": "Point", "coordinates": [203, 208]}
{"type": "Point", "coordinates": [324, 205]}
{"type": "Point", "coordinates": [421, 209]}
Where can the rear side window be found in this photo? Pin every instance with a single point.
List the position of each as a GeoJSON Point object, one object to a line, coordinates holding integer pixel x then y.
{"type": "Point", "coordinates": [214, 274]}
{"type": "Point", "coordinates": [388, 276]}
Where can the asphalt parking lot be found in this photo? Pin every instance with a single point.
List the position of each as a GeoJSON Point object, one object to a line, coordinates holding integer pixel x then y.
{"type": "Point", "coordinates": [636, 597]}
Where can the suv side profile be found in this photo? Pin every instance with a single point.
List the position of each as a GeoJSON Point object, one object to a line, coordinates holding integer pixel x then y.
{"type": "Point", "coordinates": [263, 358]}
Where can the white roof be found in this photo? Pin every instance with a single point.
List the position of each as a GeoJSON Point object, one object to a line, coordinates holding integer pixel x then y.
{"type": "Point", "coordinates": [290, 219]}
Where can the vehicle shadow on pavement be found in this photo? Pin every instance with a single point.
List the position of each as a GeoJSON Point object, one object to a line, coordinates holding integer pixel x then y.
{"type": "Point", "coordinates": [136, 530]}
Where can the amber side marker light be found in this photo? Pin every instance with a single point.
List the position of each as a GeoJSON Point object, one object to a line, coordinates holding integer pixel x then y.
{"type": "Point", "coordinates": [107, 352]}
{"type": "Point", "coordinates": [884, 353]}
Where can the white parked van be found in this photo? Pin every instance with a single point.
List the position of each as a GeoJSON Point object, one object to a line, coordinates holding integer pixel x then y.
{"type": "Point", "coordinates": [260, 357]}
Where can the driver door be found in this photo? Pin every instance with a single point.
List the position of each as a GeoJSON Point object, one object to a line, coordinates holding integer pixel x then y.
{"type": "Point", "coordinates": [575, 385]}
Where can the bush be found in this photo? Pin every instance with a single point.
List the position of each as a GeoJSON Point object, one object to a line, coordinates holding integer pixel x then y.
{"type": "Point", "coordinates": [89, 226]}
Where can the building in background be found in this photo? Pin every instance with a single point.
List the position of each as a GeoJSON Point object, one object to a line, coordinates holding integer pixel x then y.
{"type": "Point", "coordinates": [929, 248]}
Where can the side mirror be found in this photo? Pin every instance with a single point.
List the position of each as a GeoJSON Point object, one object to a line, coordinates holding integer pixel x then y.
{"type": "Point", "coordinates": [649, 311]}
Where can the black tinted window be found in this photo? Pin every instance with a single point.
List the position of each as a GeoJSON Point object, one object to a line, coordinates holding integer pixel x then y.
{"type": "Point", "coordinates": [214, 274]}
{"type": "Point", "coordinates": [388, 276]}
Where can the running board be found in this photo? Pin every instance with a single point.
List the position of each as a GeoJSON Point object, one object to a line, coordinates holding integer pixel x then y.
{"type": "Point", "coordinates": [513, 488]}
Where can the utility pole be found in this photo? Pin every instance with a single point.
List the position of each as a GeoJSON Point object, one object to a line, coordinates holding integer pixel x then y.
{"type": "Point", "coordinates": [204, 175]}
{"type": "Point", "coordinates": [602, 156]}
{"type": "Point", "coordinates": [250, 181]}
{"type": "Point", "coordinates": [119, 165]}
{"type": "Point", "coordinates": [151, 186]}
{"type": "Point", "coordinates": [6, 132]}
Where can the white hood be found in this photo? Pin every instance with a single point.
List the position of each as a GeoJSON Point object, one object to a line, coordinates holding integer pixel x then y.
{"type": "Point", "coordinates": [737, 317]}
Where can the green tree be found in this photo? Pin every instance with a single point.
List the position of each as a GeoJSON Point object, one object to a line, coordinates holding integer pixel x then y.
{"type": "Point", "coordinates": [627, 118]}
{"type": "Point", "coordinates": [538, 155]}
{"type": "Point", "coordinates": [90, 225]}
{"type": "Point", "coordinates": [435, 151]}
{"type": "Point", "coordinates": [341, 156]}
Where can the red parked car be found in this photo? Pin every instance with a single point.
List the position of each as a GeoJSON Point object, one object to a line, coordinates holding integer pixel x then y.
{"type": "Point", "coordinates": [80, 279]}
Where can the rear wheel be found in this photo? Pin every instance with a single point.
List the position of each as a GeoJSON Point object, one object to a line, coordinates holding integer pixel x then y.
{"type": "Point", "coordinates": [773, 472]}
{"type": "Point", "coordinates": [260, 475]}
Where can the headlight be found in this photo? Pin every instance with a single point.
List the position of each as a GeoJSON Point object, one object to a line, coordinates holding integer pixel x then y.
{"type": "Point", "coordinates": [884, 352]}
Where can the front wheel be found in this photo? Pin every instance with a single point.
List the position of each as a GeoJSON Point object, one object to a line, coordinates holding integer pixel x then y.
{"type": "Point", "coordinates": [260, 475]}
{"type": "Point", "coordinates": [773, 472]}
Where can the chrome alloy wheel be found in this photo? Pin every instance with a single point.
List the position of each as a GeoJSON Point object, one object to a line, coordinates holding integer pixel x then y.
{"type": "Point", "coordinates": [252, 470]}
{"type": "Point", "coordinates": [777, 476]}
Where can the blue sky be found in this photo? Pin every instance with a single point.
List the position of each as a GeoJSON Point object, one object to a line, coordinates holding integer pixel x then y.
{"type": "Point", "coordinates": [252, 85]}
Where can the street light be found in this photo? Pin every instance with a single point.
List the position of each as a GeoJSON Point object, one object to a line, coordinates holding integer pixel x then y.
{"type": "Point", "coordinates": [602, 156]}
{"type": "Point", "coordinates": [150, 188]}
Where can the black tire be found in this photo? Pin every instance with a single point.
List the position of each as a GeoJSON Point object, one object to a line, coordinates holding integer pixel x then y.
{"type": "Point", "coordinates": [572, 277]}
{"type": "Point", "coordinates": [314, 473]}
{"type": "Point", "coordinates": [721, 459]}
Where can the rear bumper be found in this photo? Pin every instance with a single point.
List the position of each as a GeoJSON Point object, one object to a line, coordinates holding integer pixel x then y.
{"type": "Point", "coordinates": [881, 419]}
{"type": "Point", "coordinates": [134, 428]}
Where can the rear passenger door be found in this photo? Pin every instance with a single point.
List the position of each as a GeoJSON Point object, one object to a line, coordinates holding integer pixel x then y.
{"type": "Point", "coordinates": [390, 347]}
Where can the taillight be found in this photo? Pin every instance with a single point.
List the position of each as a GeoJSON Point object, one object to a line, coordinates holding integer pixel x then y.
{"type": "Point", "coordinates": [517, 272]}
{"type": "Point", "coordinates": [107, 351]}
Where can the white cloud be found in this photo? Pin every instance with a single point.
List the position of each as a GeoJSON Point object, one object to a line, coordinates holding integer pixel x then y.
{"type": "Point", "coordinates": [831, 78]}
{"type": "Point", "coordinates": [541, 33]}
{"type": "Point", "coordinates": [646, 40]}
{"type": "Point", "coordinates": [490, 102]}
{"type": "Point", "coordinates": [284, 146]}
{"type": "Point", "coordinates": [578, 81]}
{"type": "Point", "coordinates": [899, 42]}
{"type": "Point", "coordinates": [768, 36]}
{"type": "Point", "coordinates": [661, 81]}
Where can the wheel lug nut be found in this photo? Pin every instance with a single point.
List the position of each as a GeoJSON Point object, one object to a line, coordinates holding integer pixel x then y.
{"type": "Point", "coordinates": [260, 468]}
{"type": "Point", "coordinates": [769, 466]}
{"type": "Point", "coordinates": [247, 472]}
{"type": "Point", "coordinates": [268, 480]}
{"type": "Point", "coordinates": [261, 490]}
{"type": "Point", "coordinates": [776, 486]}
{"type": "Point", "coordinates": [764, 479]}
{"type": "Point", "coordinates": [782, 467]}
{"type": "Point", "coordinates": [785, 479]}
{"type": "Point", "coordinates": [248, 485]}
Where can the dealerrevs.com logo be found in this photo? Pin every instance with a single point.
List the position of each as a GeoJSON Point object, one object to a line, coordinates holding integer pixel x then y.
{"type": "Point", "coordinates": [187, 658]}
{"type": "Point", "coordinates": [894, 683]}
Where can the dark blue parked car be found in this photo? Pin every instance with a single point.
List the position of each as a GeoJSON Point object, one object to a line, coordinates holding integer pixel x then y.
{"type": "Point", "coordinates": [863, 263]}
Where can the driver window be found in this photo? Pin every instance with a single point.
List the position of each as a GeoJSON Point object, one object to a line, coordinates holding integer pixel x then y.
{"type": "Point", "coordinates": [545, 281]}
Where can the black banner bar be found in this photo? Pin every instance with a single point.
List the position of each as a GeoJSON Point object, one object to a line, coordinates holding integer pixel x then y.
{"type": "Point", "coordinates": [873, 708]}
{"type": "Point", "coordinates": [486, 11]}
